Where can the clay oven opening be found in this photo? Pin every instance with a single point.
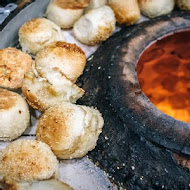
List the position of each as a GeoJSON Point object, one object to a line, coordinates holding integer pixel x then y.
{"type": "Point", "coordinates": [164, 75]}
{"type": "Point", "coordinates": [138, 140]}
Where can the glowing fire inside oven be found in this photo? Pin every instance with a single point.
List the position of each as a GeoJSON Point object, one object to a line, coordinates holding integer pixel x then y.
{"type": "Point", "coordinates": [164, 75]}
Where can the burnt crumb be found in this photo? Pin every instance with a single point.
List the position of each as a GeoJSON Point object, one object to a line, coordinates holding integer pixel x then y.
{"type": "Point", "coordinates": [20, 111]}
{"type": "Point", "coordinates": [138, 92]}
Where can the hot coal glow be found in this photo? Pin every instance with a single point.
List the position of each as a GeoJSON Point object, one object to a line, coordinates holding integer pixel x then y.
{"type": "Point", "coordinates": [164, 75]}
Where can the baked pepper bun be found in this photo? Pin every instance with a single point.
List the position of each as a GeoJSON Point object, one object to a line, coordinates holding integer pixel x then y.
{"type": "Point", "coordinates": [183, 4]}
{"type": "Point", "coordinates": [42, 93]}
{"type": "Point", "coordinates": [14, 115]}
{"type": "Point", "coordinates": [65, 13]}
{"type": "Point", "coordinates": [127, 12]}
{"type": "Point", "coordinates": [13, 66]}
{"type": "Point", "coordinates": [37, 33]}
{"type": "Point", "coordinates": [70, 130]}
{"type": "Point", "coordinates": [50, 184]}
{"type": "Point", "coordinates": [28, 160]}
{"type": "Point", "coordinates": [95, 26]}
{"type": "Point", "coordinates": [155, 8]}
{"type": "Point", "coordinates": [68, 58]}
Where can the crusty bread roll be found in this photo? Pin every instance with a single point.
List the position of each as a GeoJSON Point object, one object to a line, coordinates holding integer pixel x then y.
{"type": "Point", "coordinates": [13, 65]}
{"type": "Point", "coordinates": [28, 160]}
{"type": "Point", "coordinates": [65, 13]}
{"type": "Point", "coordinates": [42, 93]}
{"type": "Point", "coordinates": [126, 11]}
{"type": "Point", "coordinates": [154, 8]}
{"type": "Point", "coordinates": [70, 130]}
{"type": "Point", "coordinates": [14, 115]}
{"type": "Point", "coordinates": [95, 26]}
{"type": "Point", "coordinates": [67, 58]}
{"type": "Point", "coordinates": [35, 34]}
{"type": "Point", "coordinates": [183, 4]}
{"type": "Point", "coordinates": [51, 184]}
{"type": "Point", "coordinates": [94, 4]}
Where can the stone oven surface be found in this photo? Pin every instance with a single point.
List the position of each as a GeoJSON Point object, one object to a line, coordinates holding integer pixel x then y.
{"type": "Point", "coordinates": [138, 141]}
{"type": "Point", "coordinates": [151, 123]}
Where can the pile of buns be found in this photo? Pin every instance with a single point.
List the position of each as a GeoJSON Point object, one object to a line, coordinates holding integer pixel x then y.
{"type": "Point", "coordinates": [47, 79]}
{"type": "Point", "coordinates": [93, 21]}
{"type": "Point", "coordinates": [65, 130]}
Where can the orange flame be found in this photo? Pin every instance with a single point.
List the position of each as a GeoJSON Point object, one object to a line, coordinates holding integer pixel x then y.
{"type": "Point", "coordinates": [164, 75]}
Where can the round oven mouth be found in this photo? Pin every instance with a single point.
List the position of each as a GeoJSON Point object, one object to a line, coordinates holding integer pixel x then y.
{"type": "Point", "coordinates": [126, 95]}
{"type": "Point", "coordinates": [163, 73]}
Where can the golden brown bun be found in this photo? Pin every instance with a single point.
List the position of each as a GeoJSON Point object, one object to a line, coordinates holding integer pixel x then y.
{"type": "Point", "coordinates": [154, 8]}
{"type": "Point", "coordinates": [71, 4]}
{"type": "Point", "coordinates": [65, 13]}
{"type": "Point", "coordinates": [51, 184]}
{"type": "Point", "coordinates": [14, 115]}
{"type": "Point", "coordinates": [70, 130]}
{"type": "Point", "coordinates": [42, 93]}
{"type": "Point", "coordinates": [13, 65]}
{"type": "Point", "coordinates": [95, 26]}
{"type": "Point", "coordinates": [183, 4]}
{"type": "Point", "coordinates": [28, 160]}
{"type": "Point", "coordinates": [94, 4]}
{"type": "Point", "coordinates": [126, 11]}
{"type": "Point", "coordinates": [68, 58]}
{"type": "Point", "coordinates": [37, 33]}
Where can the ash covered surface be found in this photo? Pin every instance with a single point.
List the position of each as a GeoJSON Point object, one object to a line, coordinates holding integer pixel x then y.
{"type": "Point", "coordinates": [130, 160]}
